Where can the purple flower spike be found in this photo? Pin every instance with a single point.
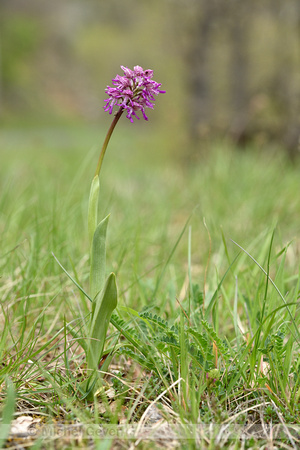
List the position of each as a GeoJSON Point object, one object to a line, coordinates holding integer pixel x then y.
{"type": "Point", "coordinates": [134, 91]}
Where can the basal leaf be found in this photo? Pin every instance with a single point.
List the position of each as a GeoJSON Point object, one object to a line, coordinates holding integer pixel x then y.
{"type": "Point", "coordinates": [93, 207]}
{"type": "Point", "coordinates": [105, 303]}
{"type": "Point", "coordinates": [98, 255]}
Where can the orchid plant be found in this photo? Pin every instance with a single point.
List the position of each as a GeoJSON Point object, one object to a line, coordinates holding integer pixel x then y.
{"type": "Point", "coordinates": [132, 92]}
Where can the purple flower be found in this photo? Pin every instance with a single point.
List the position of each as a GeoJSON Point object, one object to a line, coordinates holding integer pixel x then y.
{"type": "Point", "coordinates": [134, 91]}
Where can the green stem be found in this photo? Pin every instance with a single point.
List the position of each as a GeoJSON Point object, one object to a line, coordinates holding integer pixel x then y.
{"type": "Point", "coordinates": [107, 138]}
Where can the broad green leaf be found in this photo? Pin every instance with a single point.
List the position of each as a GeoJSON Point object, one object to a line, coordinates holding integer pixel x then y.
{"type": "Point", "coordinates": [98, 255]}
{"type": "Point", "coordinates": [8, 412]}
{"type": "Point", "coordinates": [105, 303]}
{"type": "Point", "coordinates": [93, 207]}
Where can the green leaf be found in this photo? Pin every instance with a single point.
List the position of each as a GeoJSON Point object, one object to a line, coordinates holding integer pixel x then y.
{"type": "Point", "coordinates": [128, 333]}
{"type": "Point", "coordinates": [93, 207]}
{"type": "Point", "coordinates": [202, 343]}
{"type": "Point", "coordinates": [105, 303]}
{"type": "Point", "coordinates": [98, 255]}
{"type": "Point", "coordinates": [213, 335]}
{"type": "Point", "coordinates": [8, 412]}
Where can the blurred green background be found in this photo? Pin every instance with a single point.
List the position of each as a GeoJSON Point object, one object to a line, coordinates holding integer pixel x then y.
{"type": "Point", "coordinates": [215, 147]}
{"type": "Point", "coordinates": [231, 68]}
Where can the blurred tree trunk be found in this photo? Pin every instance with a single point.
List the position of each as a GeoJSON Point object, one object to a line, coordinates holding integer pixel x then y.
{"type": "Point", "coordinates": [292, 133]}
{"type": "Point", "coordinates": [232, 20]}
{"type": "Point", "coordinates": [239, 71]}
{"type": "Point", "coordinates": [1, 93]}
{"type": "Point", "coordinates": [288, 75]}
{"type": "Point", "coordinates": [1, 62]}
{"type": "Point", "coordinates": [198, 77]}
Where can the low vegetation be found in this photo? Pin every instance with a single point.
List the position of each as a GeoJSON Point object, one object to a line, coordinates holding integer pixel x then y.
{"type": "Point", "coordinates": [205, 339]}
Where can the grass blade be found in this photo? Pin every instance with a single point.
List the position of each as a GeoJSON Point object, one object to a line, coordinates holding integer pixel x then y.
{"type": "Point", "coordinates": [8, 412]}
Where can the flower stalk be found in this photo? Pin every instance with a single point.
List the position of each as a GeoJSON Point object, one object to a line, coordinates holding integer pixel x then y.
{"type": "Point", "coordinates": [107, 138]}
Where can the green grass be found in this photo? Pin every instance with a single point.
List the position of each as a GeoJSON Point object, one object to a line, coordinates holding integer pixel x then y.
{"type": "Point", "coordinates": [207, 264]}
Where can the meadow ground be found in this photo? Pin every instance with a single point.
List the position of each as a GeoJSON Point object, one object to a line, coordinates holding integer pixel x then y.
{"type": "Point", "coordinates": [207, 263]}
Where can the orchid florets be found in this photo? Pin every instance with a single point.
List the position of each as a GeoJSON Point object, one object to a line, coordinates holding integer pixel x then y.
{"type": "Point", "coordinates": [132, 92]}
